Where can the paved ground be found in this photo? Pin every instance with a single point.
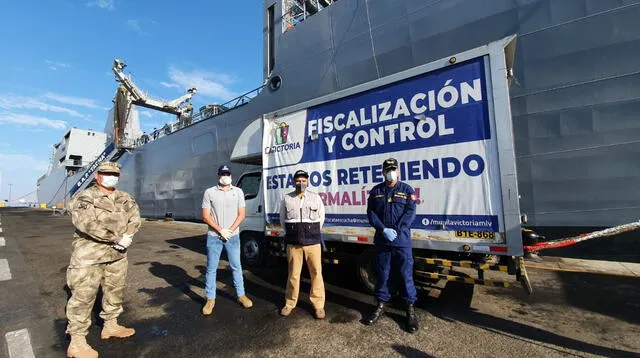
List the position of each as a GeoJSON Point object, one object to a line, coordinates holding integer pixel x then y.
{"type": "Point", "coordinates": [570, 313]}
{"type": "Point", "coordinates": [585, 266]}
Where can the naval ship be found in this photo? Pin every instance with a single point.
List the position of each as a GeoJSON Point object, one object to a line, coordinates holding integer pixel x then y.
{"type": "Point", "coordinates": [574, 100]}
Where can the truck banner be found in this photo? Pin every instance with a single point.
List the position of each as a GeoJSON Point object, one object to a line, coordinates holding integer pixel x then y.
{"type": "Point", "coordinates": [438, 125]}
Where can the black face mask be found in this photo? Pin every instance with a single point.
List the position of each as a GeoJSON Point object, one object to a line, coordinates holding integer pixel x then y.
{"type": "Point", "coordinates": [301, 187]}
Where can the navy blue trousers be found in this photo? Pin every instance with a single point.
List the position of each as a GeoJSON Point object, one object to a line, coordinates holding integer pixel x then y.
{"type": "Point", "coordinates": [391, 262]}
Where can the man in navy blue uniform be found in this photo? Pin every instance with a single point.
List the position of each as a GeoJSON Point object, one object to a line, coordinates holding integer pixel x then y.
{"type": "Point", "coordinates": [391, 209]}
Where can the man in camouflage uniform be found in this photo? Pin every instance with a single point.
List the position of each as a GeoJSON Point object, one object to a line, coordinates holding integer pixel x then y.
{"type": "Point", "coordinates": [105, 220]}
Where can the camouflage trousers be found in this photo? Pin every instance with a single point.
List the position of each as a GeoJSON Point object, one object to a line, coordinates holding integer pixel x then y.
{"type": "Point", "coordinates": [84, 283]}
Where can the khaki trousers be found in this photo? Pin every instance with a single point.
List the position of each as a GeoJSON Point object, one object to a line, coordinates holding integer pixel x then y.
{"type": "Point", "coordinates": [84, 283]}
{"type": "Point", "coordinates": [312, 254]}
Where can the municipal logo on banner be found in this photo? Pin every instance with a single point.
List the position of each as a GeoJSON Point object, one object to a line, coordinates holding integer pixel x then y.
{"type": "Point", "coordinates": [280, 142]}
{"type": "Point", "coordinates": [281, 133]}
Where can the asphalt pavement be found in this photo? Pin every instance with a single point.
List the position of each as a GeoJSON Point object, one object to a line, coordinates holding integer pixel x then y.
{"type": "Point", "coordinates": [569, 314]}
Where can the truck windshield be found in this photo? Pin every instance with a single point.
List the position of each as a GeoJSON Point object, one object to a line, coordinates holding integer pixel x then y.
{"type": "Point", "coordinates": [250, 184]}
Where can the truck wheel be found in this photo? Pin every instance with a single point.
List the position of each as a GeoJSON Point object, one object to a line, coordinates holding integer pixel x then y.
{"type": "Point", "coordinates": [366, 274]}
{"type": "Point", "coordinates": [252, 250]}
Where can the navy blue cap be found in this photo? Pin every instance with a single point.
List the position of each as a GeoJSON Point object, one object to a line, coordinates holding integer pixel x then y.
{"type": "Point", "coordinates": [301, 173]}
{"type": "Point", "coordinates": [224, 169]}
{"type": "Point", "coordinates": [389, 163]}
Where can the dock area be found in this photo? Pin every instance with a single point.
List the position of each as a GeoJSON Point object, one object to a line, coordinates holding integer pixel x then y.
{"type": "Point", "coordinates": [580, 308]}
{"type": "Point", "coordinates": [615, 268]}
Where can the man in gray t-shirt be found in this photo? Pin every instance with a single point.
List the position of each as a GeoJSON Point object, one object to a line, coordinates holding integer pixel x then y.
{"type": "Point", "coordinates": [223, 209]}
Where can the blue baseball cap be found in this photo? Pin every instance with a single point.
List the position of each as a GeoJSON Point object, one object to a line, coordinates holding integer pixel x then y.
{"type": "Point", "coordinates": [224, 169]}
{"type": "Point", "coordinates": [300, 173]}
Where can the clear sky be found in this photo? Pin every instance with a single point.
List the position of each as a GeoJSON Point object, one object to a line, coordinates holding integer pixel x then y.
{"type": "Point", "coordinates": [56, 57]}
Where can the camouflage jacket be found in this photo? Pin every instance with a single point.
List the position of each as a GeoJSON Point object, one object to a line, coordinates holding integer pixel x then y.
{"type": "Point", "coordinates": [100, 220]}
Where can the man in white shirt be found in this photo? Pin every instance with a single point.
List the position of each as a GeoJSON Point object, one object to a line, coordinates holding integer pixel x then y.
{"type": "Point", "coordinates": [223, 209]}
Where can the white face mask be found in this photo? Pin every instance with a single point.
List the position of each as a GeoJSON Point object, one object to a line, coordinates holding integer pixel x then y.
{"type": "Point", "coordinates": [109, 181]}
{"type": "Point", "coordinates": [391, 176]}
{"type": "Point", "coordinates": [225, 180]}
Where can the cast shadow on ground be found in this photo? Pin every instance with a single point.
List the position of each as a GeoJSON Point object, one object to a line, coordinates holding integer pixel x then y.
{"type": "Point", "coordinates": [276, 275]}
{"type": "Point", "coordinates": [609, 295]}
{"type": "Point", "coordinates": [453, 304]}
{"type": "Point", "coordinates": [409, 352]}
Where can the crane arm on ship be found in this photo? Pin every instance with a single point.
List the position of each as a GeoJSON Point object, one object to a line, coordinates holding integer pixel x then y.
{"type": "Point", "coordinates": [139, 98]}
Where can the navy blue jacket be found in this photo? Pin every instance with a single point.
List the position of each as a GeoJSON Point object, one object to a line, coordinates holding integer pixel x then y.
{"type": "Point", "coordinates": [302, 234]}
{"type": "Point", "coordinates": [394, 208]}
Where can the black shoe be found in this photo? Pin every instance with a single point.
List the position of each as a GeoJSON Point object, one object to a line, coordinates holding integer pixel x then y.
{"type": "Point", "coordinates": [412, 320]}
{"type": "Point", "coordinates": [373, 317]}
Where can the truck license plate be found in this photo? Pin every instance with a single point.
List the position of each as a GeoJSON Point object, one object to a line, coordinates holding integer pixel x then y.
{"type": "Point", "coordinates": [486, 235]}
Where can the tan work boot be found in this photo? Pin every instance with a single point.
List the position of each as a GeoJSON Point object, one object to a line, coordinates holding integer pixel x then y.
{"type": "Point", "coordinates": [285, 311]}
{"type": "Point", "coordinates": [245, 302]}
{"type": "Point", "coordinates": [320, 313]}
{"type": "Point", "coordinates": [79, 348]}
{"type": "Point", "coordinates": [113, 329]}
{"type": "Point", "coordinates": [208, 307]}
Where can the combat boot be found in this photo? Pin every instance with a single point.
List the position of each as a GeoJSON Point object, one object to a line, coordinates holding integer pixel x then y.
{"type": "Point", "coordinates": [79, 348]}
{"type": "Point", "coordinates": [113, 329]}
{"type": "Point", "coordinates": [412, 320]}
{"type": "Point", "coordinates": [375, 315]}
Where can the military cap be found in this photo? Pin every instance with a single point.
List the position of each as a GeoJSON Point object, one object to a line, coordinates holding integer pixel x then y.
{"type": "Point", "coordinates": [301, 173]}
{"type": "Point", "coordinates": [109, 167]}
{"type": "Point", "coordinates": [389, 163]}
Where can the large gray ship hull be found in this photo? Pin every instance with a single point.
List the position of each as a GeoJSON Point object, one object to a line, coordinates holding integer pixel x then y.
{"type": "Point", "coordinates": [574, 105]}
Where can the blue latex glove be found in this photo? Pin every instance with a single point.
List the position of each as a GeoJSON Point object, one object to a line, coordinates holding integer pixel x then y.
{"type": "Point", "coordinates": [389, 234]}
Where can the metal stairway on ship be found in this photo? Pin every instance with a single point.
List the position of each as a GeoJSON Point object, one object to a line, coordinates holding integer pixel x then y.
{"type": "Point", "coordinates": [111, 154]}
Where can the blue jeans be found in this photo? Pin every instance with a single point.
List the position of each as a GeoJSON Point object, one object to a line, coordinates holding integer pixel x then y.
{"type": "Point", "coordinates": [214, 249]}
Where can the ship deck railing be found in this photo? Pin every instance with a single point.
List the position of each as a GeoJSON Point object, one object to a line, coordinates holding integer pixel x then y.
{"type": "Point", "coordinates": [296, 11]}
{"type": "Point", "coordinates": [207, 113]}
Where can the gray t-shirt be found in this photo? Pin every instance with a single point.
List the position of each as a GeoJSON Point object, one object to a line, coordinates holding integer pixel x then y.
{"type": "Point", "coordinates": [223, 206]}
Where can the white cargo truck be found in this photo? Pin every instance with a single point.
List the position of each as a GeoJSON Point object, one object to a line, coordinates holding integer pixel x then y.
{"type": "Point", "coordinates": [448, 123]}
